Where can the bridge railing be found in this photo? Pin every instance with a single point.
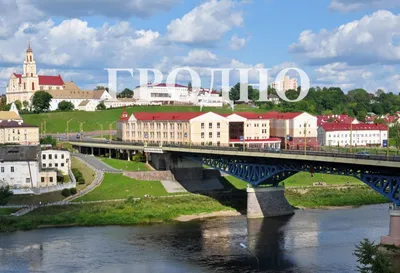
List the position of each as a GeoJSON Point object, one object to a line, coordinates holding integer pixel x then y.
{"type": "Point", "coordinates": [325, 153]}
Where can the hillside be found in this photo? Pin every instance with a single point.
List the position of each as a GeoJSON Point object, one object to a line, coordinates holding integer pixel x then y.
{"type": "Point", "coordinates": [57, 121]}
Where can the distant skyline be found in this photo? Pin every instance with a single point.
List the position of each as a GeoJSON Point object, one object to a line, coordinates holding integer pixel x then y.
{"type": "Point", "coordinates": [344, 43]}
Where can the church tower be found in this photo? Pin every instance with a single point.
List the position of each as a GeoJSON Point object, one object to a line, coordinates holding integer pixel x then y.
{"type": "Point", "coordinates": [30, 79]}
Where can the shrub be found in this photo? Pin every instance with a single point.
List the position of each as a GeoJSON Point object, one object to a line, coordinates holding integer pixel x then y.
{"type": "Point", "coordinates": [81, 180]}
{"type": "Point", "coordinates": [73, 191]}
{"type": "Point", "coordinates": [65, 192]}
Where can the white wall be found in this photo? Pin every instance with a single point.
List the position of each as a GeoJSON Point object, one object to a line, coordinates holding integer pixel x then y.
{"type": "Point", "coordinates": [360, 138]}
{"type": "Point", "coordinates": [59, 159]}
{"type": "Point", "coordinates": [25, 174]}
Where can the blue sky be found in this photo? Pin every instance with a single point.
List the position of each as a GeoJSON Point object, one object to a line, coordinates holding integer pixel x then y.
{"type": "Point", "coordinates": [345, 43]}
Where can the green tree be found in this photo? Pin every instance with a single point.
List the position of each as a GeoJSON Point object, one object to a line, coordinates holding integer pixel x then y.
{"type": "Point", "coordinates": [101, 106]}
{"type": "Point", "coordinates": [371, 260]}
{"type": "Point", "coordinates": [66, 106]}
{"type": "Point", "coordinates": [234, 93]}
{"type": "Point", "coordinates": [25, 103]}
{"type": "Point", "coordinates": [18, 104]}
{"type": "Point", "coordinates": [5, 195]}
{"type": "Point", "coordinates": [48, 140]}
{"type": "Point", "coordinates": [41, 101]}
{"type": "Point", "coordinates": [126, 93]}
{"type": "Point", "coordinates": [100, 87]}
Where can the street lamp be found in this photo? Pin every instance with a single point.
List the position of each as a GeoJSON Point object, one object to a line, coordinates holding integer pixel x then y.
{"type": "Point", "coordinates": [81, 129]}
{"type": "Point", "coordinates": [305, 135]}
{"type": "Point", "coordinates": [110, 129]}
{"type": "Point", "coordinates": [242, 245]}
{"type": "Point", "coordinates": [101, 127]}
{"type": "Point", "coordinates": [68, 129]}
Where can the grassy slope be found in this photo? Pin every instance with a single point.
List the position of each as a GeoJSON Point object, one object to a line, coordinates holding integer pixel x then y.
{"type": "Point", "coordinates": [6, 212]}
{"type": "Point", "coordinates": [125, 165]}
{"type": "Point", "coordinates": [56, 121]}
{"type": "Point", "coordinates": [120, 213]}
{"type": "Point", "coordinates": [305, 179]}
{"type": "Point", "coordinates": [28, 199]}
{"type": "Point", "coordinates": [117, 186]}
{"type": "Point", "coordinates": [87, 173]}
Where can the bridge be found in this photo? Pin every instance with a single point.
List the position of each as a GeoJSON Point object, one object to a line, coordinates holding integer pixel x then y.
{"type": "Point", "coordinates": [263, 170]}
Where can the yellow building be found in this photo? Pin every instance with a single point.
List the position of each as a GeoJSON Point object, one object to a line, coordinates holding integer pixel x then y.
{"type": "Point", "coordinates": [249, 129]}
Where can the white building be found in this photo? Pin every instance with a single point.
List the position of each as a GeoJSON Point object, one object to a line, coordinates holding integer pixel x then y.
{"type": "Point", "coordinates": [364, 135]}
{"type": "Point", "coordinates": [58, 159]}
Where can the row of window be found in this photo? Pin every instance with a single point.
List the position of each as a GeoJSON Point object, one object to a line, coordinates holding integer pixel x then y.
{"type": "Point", "coordinates": [354, 135]}
{"type": "Point", "coordinates": [156, 126]}
{"type": "Point", "coordinates": [50, 179]}
{"type": "Point", "coordinates": [210, 135]}
{"type": "Point", "coordinates": [257, 125]}
{"type": "Point", "coordinates": [51, 165]}
{"type": "Point", "coordinates": [51, 157]}
{"type": "Point", "coordinates": [11, 169]}
{"type": "Point", "coordinates": [210, 125]}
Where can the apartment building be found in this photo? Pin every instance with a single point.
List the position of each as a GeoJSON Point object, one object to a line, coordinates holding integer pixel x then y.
{"type": "Point", "coordinates": [360, 135]}
{"type": "Point", "coordinates": [286, 84]}
{"type": "Point", "coordinates": [238, 129]}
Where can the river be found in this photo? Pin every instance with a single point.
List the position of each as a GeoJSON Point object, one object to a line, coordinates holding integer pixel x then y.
{"type": "Point", "coordinates": [309, 241]}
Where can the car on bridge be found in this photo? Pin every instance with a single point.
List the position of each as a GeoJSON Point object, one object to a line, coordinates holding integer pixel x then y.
{"type": "Point", "coordinates": [363, 155]}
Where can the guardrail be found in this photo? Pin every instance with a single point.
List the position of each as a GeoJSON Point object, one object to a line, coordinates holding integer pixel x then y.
{"type": "Point", "coordinates": [393, 158]}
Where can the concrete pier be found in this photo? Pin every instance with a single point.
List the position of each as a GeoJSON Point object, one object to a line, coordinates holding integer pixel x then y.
{"type": "Point", "coordinates": [394, 229]}
{"type": "Point", "coordinates": [267, 202]}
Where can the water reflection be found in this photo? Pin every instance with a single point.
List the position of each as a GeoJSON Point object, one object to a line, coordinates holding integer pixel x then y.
{"type": "Point", "coordinates": [310, 241]}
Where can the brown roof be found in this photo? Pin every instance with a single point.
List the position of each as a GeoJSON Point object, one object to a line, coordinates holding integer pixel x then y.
{"type": "Point", "coordinates": [6, 115]}
{"type": "Point", "coordinates": [84, 103]}
{"type": "Point", "coordinates": [71, 86]}
{"type": "Point", "coordinates": [76, 94]}
{"type": "Point", "coordinates": [15, 124]}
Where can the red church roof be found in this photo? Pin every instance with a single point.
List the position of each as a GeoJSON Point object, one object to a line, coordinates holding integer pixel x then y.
{"type": "Point", "coordinates": [355, 127]}
{"type": "Point", "coordinates": [50, 80]}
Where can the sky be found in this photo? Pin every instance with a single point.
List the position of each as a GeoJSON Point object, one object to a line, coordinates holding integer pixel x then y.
{"type": "Point", "coordinates": [341, 43]}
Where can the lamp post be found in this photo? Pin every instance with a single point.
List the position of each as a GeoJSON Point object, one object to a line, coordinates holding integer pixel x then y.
{"type": "Point", "coordinates": [68, 129]}
{"type": "Point", "coordinates": [110, 130]}
{"type": "Point", "coordinates": [351, 137]}
{"type": "Point", "coordinates": [81, 129]}
{"type": "Point", "coordinates": [101, 127]}
{"type": "Point", "coordinates": [305, 135]}
{"type": "Point", "coordinates": [242, 245]}
{"type": "Point", "coordinates": [387, 145]}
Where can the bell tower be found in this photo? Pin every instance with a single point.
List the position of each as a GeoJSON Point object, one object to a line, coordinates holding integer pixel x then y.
{"type": "Point", "coordinates": [29, 63]}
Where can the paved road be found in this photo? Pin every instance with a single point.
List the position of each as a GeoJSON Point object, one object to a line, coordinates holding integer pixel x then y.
{"type": "Point", "coordinates": [97, 163]}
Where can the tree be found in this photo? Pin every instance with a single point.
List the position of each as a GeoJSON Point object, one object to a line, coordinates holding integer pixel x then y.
{"type": "Point", "coordinates": [101, 106]}
{"type": "Point", "coordinates": [66, 106]}
{"type": "Point", "coordinates": [25, 103]}
{"type": "Point", "coordinates": [41, 101]}
{"type": "Point", "coordinates": [48, 140]}
{"type": "Point", "coordinates": [5, 195]}
{"type": "Point", "coordinates": [18, 104]}
{"type": "Point", "coordinates": [126, 93]}
{"type": "Point", "coordinates": [100, 87]}
{"type": "Point", "coordinates": [372, 260]}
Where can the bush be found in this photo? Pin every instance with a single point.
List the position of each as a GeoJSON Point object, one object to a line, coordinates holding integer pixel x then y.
{"type": "Point", "coordinates": [78, 176]}
{"type": "Point", "coordinates": [73, 191]}
{"type": "Point", "coordinates": [372, 260]}
{"type": "Point", "coordinates": [66, 192]}
{"type": "Point", "coordinates": [66, 106]}
{"type": "Point", "coordinates": [81, 180]}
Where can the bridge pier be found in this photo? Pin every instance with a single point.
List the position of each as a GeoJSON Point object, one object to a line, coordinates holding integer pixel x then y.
{"type": "Point", "coordinates": [267, 202]}
{"type": "Point", "coordinates": [394, 229]}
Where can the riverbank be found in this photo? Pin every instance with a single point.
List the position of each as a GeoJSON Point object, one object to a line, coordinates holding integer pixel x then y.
{"type": "Point", "coordinates": [130, 212]}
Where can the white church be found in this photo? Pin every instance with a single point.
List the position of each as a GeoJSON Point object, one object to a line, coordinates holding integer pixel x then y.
{"type": "Point", "coordinates": [22, 87]}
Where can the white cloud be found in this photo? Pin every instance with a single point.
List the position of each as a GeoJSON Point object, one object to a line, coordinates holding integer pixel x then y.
{"type": "Point", "coordinates": [355, 5]}
{"type": "Point", "coordinates": [200, 57]}
{"type": "Point", "coordinates": [237, 43]}
{"type": "Point", "coordinates": [372, 39]}
{"type": "Point", "coordinates": [108, 8]}
{"type": "Point", "coordinates": [206, 23]}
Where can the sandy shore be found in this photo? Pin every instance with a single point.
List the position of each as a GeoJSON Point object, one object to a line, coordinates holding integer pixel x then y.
{"type": "Point", "coordinates": [327, 208]}
{"type": "Point", "coordinates": [225, 213]}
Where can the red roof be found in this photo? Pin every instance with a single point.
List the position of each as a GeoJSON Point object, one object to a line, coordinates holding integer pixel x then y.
{"type": "Point", "coordinates": [355, 127]}
{"type": "Point", "coordinates": [18, 76]}
{"type": "Point", "coordinates": [167, 116]}
{"type": "Point", "coordinates": [124, 116]}
{"type": "Point", "coordinates": [50, 80]}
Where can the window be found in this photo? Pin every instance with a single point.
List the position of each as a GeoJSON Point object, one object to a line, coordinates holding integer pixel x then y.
{"type": "Point", "coordinates": [210, 125]}
{"type": "Point", "coordinates": [44, 165]}
{"type": "Point", "coordinates": [210, 135]}
{"type": "Point", "coordinates": [62, 164]}
{"type": "Point", "coordinates": [50, 165]}
{"type": "Point", "coordinates": [202, 135]}
{"type": "Point", "coordinates": [218, 125]}
{"type": "Point", "coordinates": [12, 169]}
{"type": "Point", "coordinates": [33, 86]}
{"type": "Point", "coordinates": [42, 179]}
{"type": "Point", "coordinates": [56, 165]}
{"type": "Point", "coordinates": [49, 156]}
{"type": "Point", "coordinates": [2, 169]}
{"type": "Point", "coordinates": [51, 179]}
{"type": "Point", "coordinates": [55, 156]}
{"type": "Point", "coordinates": [202, 126]}
{"type": "Point", "coordinates": [218, 134]}
{"type": "Point", "coordinates": [28, 180]}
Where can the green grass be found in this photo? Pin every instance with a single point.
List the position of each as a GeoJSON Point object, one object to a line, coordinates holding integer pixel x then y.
{"type": "Point", "coordinates": [6, 212]}
{"type": "Point", "coordinates": [235, 182]}
{"type": "Point", "coordinates": [88, 174]}
{"type": "Point", "coordinates": [27, 199]}
{"type": "Point", "coordinates": [304, 179]}
{"type": "Point", "coordinates": [323, 197]}
{"type": "Point", "coordinates": [119, 213]}
{"type": "Point", "coordinates": [57, 121]}
{"type": "Point", "coordinates": [125, 165]}
{"type": "Point", "coordinates": [117, 186]}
